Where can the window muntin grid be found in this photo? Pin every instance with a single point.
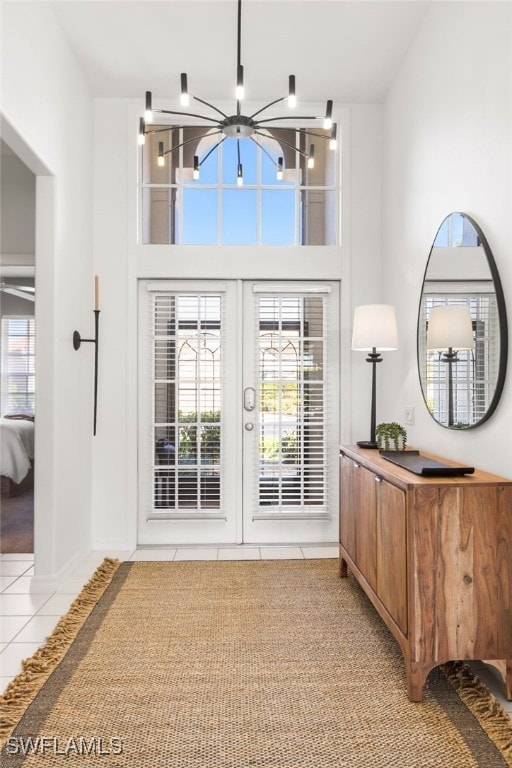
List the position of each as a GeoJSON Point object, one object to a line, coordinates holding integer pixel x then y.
{"type": "Point", "coordinates": [299, 210]}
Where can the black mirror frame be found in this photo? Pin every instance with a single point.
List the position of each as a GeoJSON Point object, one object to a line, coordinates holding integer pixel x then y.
{"type": "Point", "coordinates": [502, 321]}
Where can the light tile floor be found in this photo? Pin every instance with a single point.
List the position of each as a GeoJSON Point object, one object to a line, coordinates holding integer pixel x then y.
{"type": "Point", "coordinates": [26, 619]}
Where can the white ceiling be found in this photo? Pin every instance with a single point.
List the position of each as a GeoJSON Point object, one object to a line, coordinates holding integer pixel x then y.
{"type": "Point", "coordinates": [340, 49]}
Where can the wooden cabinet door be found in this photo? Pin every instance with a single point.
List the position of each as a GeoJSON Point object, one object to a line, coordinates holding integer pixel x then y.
{"type": "Point", "coordinates": [366, 523]}
{"type": "Point", "coordinates": [391, 552]}
{"type": "Point", "coordinates": [347, 505]}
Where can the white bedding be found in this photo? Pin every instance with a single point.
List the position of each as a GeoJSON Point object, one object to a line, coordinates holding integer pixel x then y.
{"type": "Point", "coordinates": [16, 448]}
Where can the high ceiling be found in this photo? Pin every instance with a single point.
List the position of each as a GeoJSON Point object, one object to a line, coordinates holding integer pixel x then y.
{"type": "Point", "coordinates": [347, 51]}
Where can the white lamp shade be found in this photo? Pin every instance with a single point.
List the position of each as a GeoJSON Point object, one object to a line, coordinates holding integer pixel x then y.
{"type": "Point", "coordinates": [375, 328]}
{"type": "Point", "coordinates": [450, 327]}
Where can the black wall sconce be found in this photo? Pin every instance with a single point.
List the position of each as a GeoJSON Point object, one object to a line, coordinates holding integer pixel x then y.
{"type": "Point", "coordinates": [78, 340]}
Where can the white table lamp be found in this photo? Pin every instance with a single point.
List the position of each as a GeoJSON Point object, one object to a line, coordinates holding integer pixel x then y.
{"type": "Point", "coordinates": [375, 331]}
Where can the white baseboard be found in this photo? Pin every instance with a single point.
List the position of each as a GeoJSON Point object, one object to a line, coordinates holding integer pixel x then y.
{"type": "Point", "coordinates": [115, 547]}
{"type": "Point", "coordinates": [47, 584]}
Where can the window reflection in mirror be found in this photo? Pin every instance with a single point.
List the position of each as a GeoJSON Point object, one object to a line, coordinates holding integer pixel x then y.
{"type": "Point", "coordinates": [461, 386]}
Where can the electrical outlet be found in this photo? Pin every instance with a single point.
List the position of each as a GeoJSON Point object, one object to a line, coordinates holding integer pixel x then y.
{"type": "Point", "coordinates": [409, 414]}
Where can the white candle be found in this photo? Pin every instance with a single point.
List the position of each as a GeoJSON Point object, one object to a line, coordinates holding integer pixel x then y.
{"type": "Point", "coordinates": [96, 292]}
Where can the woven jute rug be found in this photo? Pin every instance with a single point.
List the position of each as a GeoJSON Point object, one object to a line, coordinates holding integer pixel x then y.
{"type": "Point", "coordinates": [234, 665]}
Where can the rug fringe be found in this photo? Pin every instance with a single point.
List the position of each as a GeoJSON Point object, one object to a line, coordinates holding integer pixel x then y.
{"type": "Point", "coordinates": [23, 689]}
{"type": "Point", "coordinates": [488, 711]}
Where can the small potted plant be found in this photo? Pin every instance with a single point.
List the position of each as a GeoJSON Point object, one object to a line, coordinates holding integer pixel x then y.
{"type": "Point", "coordinates": [391, 433]}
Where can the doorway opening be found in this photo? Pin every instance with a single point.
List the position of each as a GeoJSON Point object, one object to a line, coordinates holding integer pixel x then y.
{"type": "Point", "coordinates": [17, 352]}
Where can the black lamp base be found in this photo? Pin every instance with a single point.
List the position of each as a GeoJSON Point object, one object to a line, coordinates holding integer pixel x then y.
{"type": "Point", "coordinates": [367, 444]}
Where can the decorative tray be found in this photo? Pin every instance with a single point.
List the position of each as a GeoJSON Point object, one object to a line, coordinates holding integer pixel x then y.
{"type": "Point", "coordinates": [422, 465]}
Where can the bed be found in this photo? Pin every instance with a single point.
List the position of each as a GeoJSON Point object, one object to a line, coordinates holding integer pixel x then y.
{"type": "Point", "coordinates": [16, 455]}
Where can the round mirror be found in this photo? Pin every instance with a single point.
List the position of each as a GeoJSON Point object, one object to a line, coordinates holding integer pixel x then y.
{"type": "Point", "coordinates": [462, 327]}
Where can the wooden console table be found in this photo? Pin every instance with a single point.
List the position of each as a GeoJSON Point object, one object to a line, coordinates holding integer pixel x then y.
{"type": "Point", "coordinates": [434, 555]}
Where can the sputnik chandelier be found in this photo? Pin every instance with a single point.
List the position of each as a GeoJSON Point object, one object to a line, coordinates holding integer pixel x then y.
{"type": "Point", "coordinates": [238, 126]}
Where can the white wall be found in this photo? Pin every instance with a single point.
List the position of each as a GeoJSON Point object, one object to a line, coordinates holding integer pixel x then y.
{"type": "Point", "coordinates": [17, 209]}
{"type": "Point", "coordinates": [447, 146]}
{"type": "Point", "coordinates": [119, 261]}
{"type": "Point", "coordinates": [365, 256]}
{"type": "Point", "coordinates": [47, 120]}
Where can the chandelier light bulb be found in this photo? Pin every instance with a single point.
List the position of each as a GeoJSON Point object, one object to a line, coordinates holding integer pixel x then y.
{"type": "Point", "coordinates": [148, 113]}
{"type": "Point", "coordinates": [184, 97]}
{"type": "Point", "coordinates": [292, 98]}
{"type": "Point", "coordinates": [161, 158]}
{"type": "Point", "coordinates": [237, 124]}
{"type": "Point", "coordinates": [142, 135]}
{"type": "Point", "coordinates": [328, 115]}
{"type": "Point", "coordinates": [333, 141]}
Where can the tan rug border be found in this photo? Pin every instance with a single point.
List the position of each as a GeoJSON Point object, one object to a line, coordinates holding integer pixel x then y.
{"type": "Point", "coordinates": [36, 670]}
{"type": "Point", "coordinates": [492, 717]}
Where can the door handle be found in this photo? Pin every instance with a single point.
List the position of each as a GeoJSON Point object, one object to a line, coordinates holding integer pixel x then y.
{"type": "Point", "coordinates": [249, 398]}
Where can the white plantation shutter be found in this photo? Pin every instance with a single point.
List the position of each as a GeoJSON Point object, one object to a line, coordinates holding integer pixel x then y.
{"type": "Point", "coordinates": [18, 365]}
{"type": "Point", "coordinates": [187, 337]}
{"type": "Point", "coordinates": [292, 365]}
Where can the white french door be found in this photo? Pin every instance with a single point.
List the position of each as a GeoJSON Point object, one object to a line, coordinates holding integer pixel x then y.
{"type": "Point", "coordinates": [238, 412]}
{"type": "Point", "coordinates": [290, 436]}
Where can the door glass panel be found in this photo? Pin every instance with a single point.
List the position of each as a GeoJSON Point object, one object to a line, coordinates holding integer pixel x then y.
{"type": "Point", "coordinates": [187, 401]}
{"type": "Point", "coordinates": [291, 464]}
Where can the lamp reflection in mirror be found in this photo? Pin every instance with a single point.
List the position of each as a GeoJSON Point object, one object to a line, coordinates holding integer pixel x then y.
{"type": "Point", "coordinates": [461, 270]}
{"type": "Point", "coordinates": [374, 331]}
{"type": "Point", "coordinates": [449, 331]}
